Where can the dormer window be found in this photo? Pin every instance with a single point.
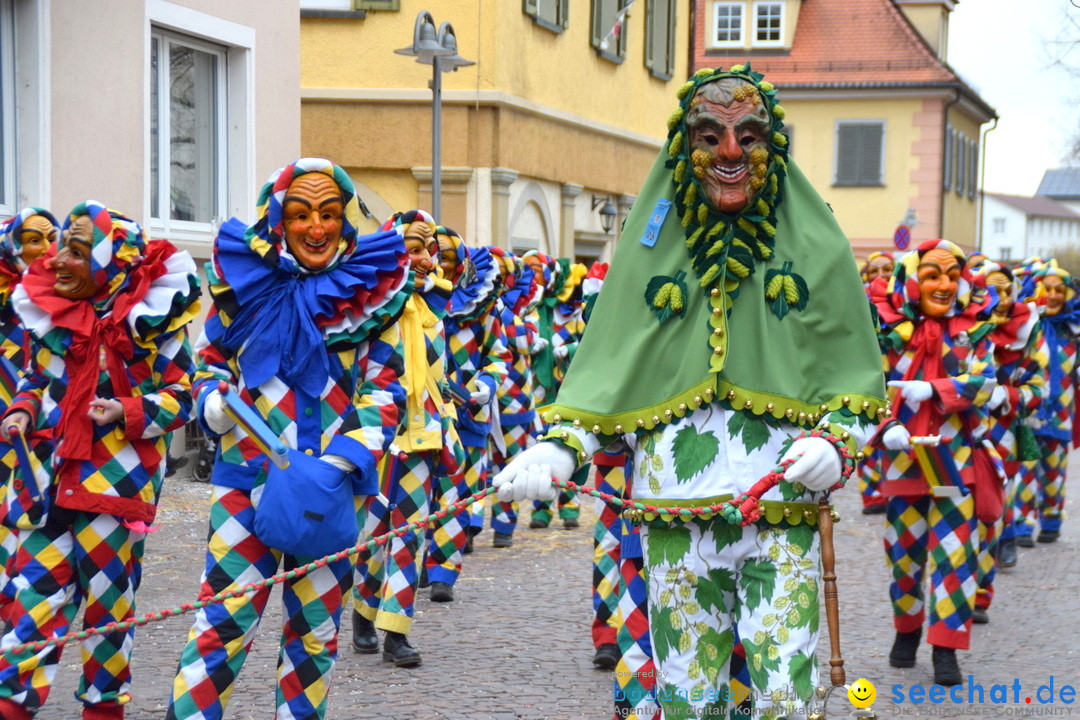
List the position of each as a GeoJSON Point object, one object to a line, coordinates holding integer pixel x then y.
{"type": "Point", "coordinates": [768, 24]}
{"type": "Point", "coordinates": [729, 24]}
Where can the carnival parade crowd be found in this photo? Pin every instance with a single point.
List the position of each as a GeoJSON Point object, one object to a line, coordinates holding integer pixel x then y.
{"type": "Point", "coordinates": [390, 376]}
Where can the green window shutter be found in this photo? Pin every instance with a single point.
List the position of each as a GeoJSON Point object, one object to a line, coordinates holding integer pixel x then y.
{"type": "Point", "coordinates": [377, 4]}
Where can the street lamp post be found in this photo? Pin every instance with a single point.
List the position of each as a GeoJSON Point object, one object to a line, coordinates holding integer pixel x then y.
{"type": "Point", "coordinates": [438, 49]}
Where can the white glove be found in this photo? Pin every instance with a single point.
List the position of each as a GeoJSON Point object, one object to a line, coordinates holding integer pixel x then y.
{"type": "Point", "coordinates": [897, 438]}
{"type": "Point", "coordinates": [339, 462]}
{"type": "Point", "coordinates": [913, 391]}
{"type": "Point", "coordinates": [818, 468]}
{"type": "Point", "coordinates": [214, 414]}
{"type": "Point", "coordinates": [561, 352]}
{"type": "Point", "coordinates": [482, 396]}
{"type": "Point", "coordinates": [529, 475]}
{"type": "Point", "coordinates": [539, 344]}
{"type": "Point", "coordinates": [999, 397]}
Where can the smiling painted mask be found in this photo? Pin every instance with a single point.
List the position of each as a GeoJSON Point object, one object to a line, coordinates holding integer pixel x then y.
{"type": "Point", "coordinates": [939, 279]}
{"type": "Point", "coordinates": [312, 218]}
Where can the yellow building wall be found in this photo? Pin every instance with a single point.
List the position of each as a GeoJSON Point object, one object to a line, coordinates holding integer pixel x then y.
{"type": "Point", "coordinates": [513, 54]}
{"type": "Point", "coordinates": [864, 213]}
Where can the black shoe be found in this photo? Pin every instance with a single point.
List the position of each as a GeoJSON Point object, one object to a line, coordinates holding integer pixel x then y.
{"type": "Point", "coordinates": [570, 523]}
{"type": "Point", "coordinates": [1048, 536]}
{"type": "Point", "coordinates": [980, 616]}
{"type": "Point", "coordinates": [1007, 553]}
{"type": "Point", "coordinates": [502, 540]}
{"type": "Point", "coordinates": [467, 550]}
{"type": "Point", "coordinates": [396, 649]}
{"type": "Point", "coordinates": [946, 669]}
{"type": "Point", "coordinates": [441, 592]}
{"type": "Point", "coordinates": [537, 524]}
{"type": "Point", "coordinates": [172, 464]}
{"type": "Point", "coordinates": [606, 657]}
{"type": "Point", "coordinates": [903, 650]}
{"type": "Point", "coordinates": [877, 509]}
{"type": "Point", "coordinates": [364, 639]}
{"type": "Point", "coordinates": [1024, 541]}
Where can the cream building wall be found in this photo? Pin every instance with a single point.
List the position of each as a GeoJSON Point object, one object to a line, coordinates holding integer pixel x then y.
{"type": "Point", "coordinates": [529, 134]}
{"type": "Point", "coordinates": [83, 103]}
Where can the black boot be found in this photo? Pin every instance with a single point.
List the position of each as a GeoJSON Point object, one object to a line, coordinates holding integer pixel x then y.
{"type": "Point", "coordinates": [364, 639]}
{"type": "Point", "coordinates": [1007, 553]}
{"type": "Point", "coordinates": [875, 509]}
{"type": "Point", "coordinates": [570, 523]}
{"type": "Point", "coordinates": [1025, 541]}
{"type": "Point", "coordinates": [396, 649]}
{"type": "Point", "coordinates": [903, 650]}
{"type": "Point", "coordinates": [502, 540]}
{"type": "Point", "coordinates": [980, 616]}
{"type": "Point", "coordinates": [1048, 536]}
{"type": "Point", "coordinates": [606, 657]}
{"type": "Point", "coordinates": [441, 592]}
{"type": "Point", "coordinates": [946, 669]}
{"type": "Point", "coordinates": [423, 582]}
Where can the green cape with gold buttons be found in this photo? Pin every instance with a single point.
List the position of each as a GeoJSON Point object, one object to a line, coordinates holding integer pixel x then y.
{"type": "Point", "coordinates": [694, 309]}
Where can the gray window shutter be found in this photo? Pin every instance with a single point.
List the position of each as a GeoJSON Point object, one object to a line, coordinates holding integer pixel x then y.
{"type": "Point", "coordinates": [847, 155]}
{"type": "Point", "coordinates": [948, 160]}
{"type": "Point", "coordinates": [858, 154]}
{"type": "Point", "coordinates": [597, 22]}
{"type": "Point", "coordinates": [564, 13]}
{"type": "Point", "coordinates": [378, 4]}
{"type": "Point", "coordinates": [870, 172]}
{"type": "Point", "coordinates": [973, 154]}
{"type": "Point", "coordinates": [672, 23]}
{"type": "Point", "coordinates": [961, 164]}
{"type": "Point", "coordinates": [530, 6]}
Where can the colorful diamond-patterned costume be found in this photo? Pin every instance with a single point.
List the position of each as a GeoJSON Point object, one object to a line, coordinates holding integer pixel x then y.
{"type": "Point", "coordinates": [129, 343]}
{"type": "Point", "coordinates": [933, 498]}
{"type": "Point", "coordinates": [318, 356]}
{"type": "Point", "coordinates": [428, 450]}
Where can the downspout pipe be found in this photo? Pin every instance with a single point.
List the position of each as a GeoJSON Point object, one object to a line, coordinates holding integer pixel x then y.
{"type": "Point", "coordinates": [982, 187]}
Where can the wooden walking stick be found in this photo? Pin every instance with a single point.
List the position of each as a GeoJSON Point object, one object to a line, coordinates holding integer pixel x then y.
{"type": "Point", "coordinates": [832, 601]}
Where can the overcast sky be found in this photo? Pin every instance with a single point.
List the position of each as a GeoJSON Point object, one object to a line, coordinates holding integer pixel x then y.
{"type": "Point", "coordinates": [1005, 49]}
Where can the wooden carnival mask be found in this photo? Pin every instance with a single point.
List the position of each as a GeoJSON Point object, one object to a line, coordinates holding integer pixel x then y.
{"type": "Point", "coordinates": [312, 217]}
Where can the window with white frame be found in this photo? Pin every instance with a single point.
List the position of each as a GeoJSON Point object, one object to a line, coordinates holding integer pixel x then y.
{"type": "Point", "coordinates": [188, 132]}
{"type": "Point", "coordinates": [768, 24]}
{"type": "Point", "coordinates": [860, 153]}
{"type": "Point", "coordinates": [729, 23]}
{"type": "Point", "coordinates": [7, 109]}
{"type": "Point", "coordinates": [999, 226]}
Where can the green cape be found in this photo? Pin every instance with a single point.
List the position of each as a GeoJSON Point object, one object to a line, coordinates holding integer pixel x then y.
{"type": "Point", "coordinates": [818, 354]}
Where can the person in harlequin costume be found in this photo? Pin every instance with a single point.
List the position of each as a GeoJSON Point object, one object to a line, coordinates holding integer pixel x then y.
{"type": "Point", "coordinates": [517, 421]}
{"type": "Point", "coordinates": [556, 343]}
{"type": "Point", "coordinates": [731, 332]}
{"type": "Point", "coordinates": [109, 377]}
{"type": "Point", "coordinates": [24, 237]}
{"type": "Point", "coordinates": [943, 377]}
{"type": "Point", "coordinates": [878, 264]}
{"type": "Point", "coordinates": [302, 328]}
{"type": "Point", "coordinates": [1041, 496]}
{"type": "Point", "coordinates": [1020, 357]}
{"type": "Point", "coordinates": [477, 360]}
{"type": "Point", "coordinates": [427, 449]}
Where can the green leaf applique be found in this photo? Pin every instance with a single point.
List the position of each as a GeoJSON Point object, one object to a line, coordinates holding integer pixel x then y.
{"type": "Point", "coordinates": [668, 545]}
{"type": "Point", "coordinates": [753, 430]}
{"type": "Point", "coordinates": [758, 579]}
{"type": "Point", "coordinates": [693, 452]}
{"type": "Point", "coordinates": [785, 290]}
{"type": "Point", "coordinates": [801, 667]}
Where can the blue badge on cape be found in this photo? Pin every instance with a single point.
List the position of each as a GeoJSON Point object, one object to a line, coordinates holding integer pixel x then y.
{"type": "Point", "coordinates": [659, 214]}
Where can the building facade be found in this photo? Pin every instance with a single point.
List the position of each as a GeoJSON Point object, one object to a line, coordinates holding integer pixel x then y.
{"type": "Point", "coordinates": [1016, 228]}
{"type": "Point", "coordinates": [885, 130]}
{"type": "Point", "coordinates": [561, 116]}
{"type": "Point", "coordinates": [171, 112]}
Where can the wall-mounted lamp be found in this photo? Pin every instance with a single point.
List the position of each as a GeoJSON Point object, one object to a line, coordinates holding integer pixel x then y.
{"type": "Point", "coordinates": [910, 218]}
{"type": "Point", "coordinates": [608, 213]}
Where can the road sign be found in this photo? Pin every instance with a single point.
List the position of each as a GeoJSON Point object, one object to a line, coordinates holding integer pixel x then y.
{"type": "Point", "coordinates": [902, 237]}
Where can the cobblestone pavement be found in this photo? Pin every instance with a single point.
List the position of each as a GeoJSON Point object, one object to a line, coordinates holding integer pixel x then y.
{"type": "Point", "coordinates": [515, 642]}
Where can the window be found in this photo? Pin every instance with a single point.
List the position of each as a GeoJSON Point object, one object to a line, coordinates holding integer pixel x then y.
{"type": "Point", "coordinates": [660, 38]}
{"type": "Point", "coordinates": [768, 23]}
{"type": "Point", "coordinates": [551, 14]}
{"type": "Point", "coordinates": [948, 160]}
{"type": "Point", "coordinates": [609, 28]}
{"type": "Point", "coordinates": [729, 23]}
{"type": "Point", "coordinates": [999, 226]}
{"type": "Point", "coordinates": [187, 131]}
{"type": "Point", "coordinates": [7, 109]}
{"type": "Point", "coordinates": [860, 151]}
{"type": "Point", "coordinates": [1005, 253]}
{"type": "Point", "coordinates": [336, 5]}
